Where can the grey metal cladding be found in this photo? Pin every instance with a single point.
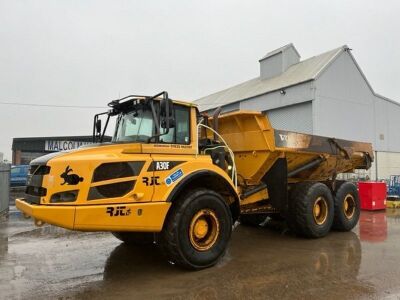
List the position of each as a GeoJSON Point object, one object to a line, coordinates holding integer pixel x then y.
{"type": "Point", "coordinates": [297, 118]}
{"type": "Point", "coordinates": [4, 186]}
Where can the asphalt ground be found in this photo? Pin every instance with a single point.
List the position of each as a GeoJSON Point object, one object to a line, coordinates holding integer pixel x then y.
{"type": "Point", "coordinates": [261, 263]}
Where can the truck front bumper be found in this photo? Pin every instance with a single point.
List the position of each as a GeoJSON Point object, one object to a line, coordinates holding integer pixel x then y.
{"type": "Point", "coordinates": [140, 217]}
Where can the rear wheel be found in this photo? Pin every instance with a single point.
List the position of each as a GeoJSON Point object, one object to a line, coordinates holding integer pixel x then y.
{"type": "Point", "coordinates": [135, 238]}
{"type": "Point", "coordinates": [197, 230]}
{"type": "Point", "coordinates": [310, 209]}
{"type": "Point", "coordinates": [347, 207]}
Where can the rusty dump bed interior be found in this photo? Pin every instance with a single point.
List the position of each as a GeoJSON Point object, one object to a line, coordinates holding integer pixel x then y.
{"type": "Point", "coordinates": [256, 146]}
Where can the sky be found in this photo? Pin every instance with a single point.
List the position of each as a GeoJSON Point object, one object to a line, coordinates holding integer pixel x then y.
{"type": "Point", "coordinates": [88, 52]}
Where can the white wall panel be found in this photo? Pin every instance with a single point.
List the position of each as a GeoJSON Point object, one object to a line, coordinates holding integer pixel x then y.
{"type": "Point", "coordinates": [388, 164]}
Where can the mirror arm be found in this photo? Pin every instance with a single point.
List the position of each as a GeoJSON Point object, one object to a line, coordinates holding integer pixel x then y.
{"type": "Point", "coordinates": [96, 117]}
{"type": "Point", "coordinates": [104, 130]}
{"type": "Point", "coordinates": [155, 118]}
{"type": "Point", "coordinates": [166, 111]}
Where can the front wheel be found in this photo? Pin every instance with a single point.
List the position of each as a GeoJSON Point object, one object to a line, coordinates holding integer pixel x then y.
{"type": "Point", "coordinates": [197, 230]}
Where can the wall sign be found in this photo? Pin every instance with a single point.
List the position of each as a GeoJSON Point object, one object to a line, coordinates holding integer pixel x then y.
{"type": "Point", "coordinates": [54, 146]}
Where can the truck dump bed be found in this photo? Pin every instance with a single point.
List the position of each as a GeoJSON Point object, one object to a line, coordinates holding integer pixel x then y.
{"type": "Point", "coordinates": [256, 146]}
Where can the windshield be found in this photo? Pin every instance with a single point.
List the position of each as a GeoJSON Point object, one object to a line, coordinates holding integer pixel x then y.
{"type": "Point", "coordinates": [135, 126]}
{"type": "Point", "coordinates": [138, 126]}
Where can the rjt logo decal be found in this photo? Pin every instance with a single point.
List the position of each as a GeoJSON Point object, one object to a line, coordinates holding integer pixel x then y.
{"type": "Point", "coordinates": [149, 181]}
{"type": "Point", "coordinates": [119, 211]}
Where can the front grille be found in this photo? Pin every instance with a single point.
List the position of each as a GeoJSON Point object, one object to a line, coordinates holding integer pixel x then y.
{"type": "Point", "coordinates": [33, 194]}
{"type": "Point", "coordinates": [36, 191]}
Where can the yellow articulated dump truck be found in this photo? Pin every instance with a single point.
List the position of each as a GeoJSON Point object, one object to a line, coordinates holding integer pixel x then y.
{"type": "Point", "coordinates": [178, 179]}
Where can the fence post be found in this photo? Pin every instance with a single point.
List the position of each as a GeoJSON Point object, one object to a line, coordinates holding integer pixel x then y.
{"type": "Point", "coordinates": [4, 187]}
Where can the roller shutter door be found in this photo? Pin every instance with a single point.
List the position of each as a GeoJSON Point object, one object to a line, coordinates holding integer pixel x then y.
{"type": "Point", "coordinates": [296, 117]}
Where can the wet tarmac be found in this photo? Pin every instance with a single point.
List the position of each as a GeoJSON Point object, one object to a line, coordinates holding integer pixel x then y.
{"type": "Point", "coordinates": [261, 263]}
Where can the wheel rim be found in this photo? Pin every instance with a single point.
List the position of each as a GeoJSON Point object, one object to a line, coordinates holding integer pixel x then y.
{"type": "Point", "coordinates": [349, 206]}
{"type": "Point", "coordinates": [204, 230]}
{"type": "Point", "coordinates": [320, 210]}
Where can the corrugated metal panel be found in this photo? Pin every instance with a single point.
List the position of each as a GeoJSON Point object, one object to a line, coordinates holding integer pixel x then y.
{"type": "Point", "coordinates": [293, 118]}
{"type": "Point", "coordinates": [303, 71]}
{"type": "Point", "coordinates": [4, 187]}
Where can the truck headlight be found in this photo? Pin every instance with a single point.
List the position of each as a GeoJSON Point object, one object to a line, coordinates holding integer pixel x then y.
{"type": "Point", "coordinates": [69, 196]}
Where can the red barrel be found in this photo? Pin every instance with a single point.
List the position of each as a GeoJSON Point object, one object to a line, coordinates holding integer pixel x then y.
{"type": "Point", "coordinates": [372, 195]}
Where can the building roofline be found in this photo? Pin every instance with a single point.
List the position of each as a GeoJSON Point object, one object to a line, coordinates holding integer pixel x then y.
{"type": "Point", "coordinates": [318, 74]}
{"type": "Point", "coordinates": [262, 94]}
{"type": "Point", "coordinates": [339, 52]}
{"type": "Point", "coordinates": [387, 99]}
{"type": "Point", "coordinates": [348, 50]}
{"type": "Point", "coordinates": [279, 50]}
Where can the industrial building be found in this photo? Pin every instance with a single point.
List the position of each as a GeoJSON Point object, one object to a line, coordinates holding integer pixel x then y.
{"type": "Point", "coordinates": [326, 95]}
{"type": "Point", "coordinates": [28, 148]}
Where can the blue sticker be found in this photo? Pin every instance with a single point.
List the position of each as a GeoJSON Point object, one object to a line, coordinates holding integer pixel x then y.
{"type": "Point", "coordinates": [174, 177]}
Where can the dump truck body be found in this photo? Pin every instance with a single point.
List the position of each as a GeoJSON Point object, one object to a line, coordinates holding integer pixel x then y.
{"type": "Point", "coordinates": [179, 179]}
{"type": "Point", "coordinates": [257, 146]}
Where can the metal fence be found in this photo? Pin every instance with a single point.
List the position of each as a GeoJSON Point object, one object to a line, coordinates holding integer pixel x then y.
{"type": "Point", "coordinates": [4, 187]}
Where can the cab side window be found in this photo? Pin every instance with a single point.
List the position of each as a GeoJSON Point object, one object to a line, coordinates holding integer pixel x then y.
{"type": "Point", "coordinates": [182, 124]}
{"type": "Point", "coordinates": [180, 134]}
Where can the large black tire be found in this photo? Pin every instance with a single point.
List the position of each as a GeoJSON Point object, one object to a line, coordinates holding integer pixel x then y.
{"type": "Point", "coordinates": [310, 210]}
{"type": "Point", "coordinates": [178, 238]}
{"type": "Point", "coordinates": [253, 220]}
{"type": "Point", "coordinates": [347, 207]}
{"type": "Point", "coordinates": [135, 238]}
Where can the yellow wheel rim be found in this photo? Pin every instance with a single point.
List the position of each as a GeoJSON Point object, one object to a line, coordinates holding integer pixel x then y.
{"type": "Point", "coordinates": [320, 210]}
{"type": "Point", "coordinates": [349, 206]}
{"type": "Point", "coordinates": [204, 230]}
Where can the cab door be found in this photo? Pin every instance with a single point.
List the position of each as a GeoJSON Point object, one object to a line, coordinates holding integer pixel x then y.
{"type": "Point", "coordinates": [173, 150]}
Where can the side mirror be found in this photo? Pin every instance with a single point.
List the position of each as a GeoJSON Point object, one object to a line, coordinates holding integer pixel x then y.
{"type": "Point", "coordinates": [98, 127]}
{"type": "Point", "coordinates": [167, 114]}
{"type": "Point", "coordinates": [164, 123]}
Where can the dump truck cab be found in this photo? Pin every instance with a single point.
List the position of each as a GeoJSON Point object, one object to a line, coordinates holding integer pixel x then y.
{"type": "Point", "coordinates": [180, 179]}
{"type": "Point", "coordinates": [106, 186]}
